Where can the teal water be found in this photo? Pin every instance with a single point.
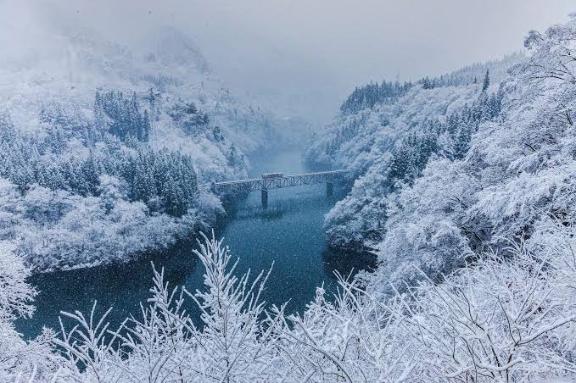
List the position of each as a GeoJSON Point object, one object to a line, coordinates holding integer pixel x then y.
{"type": "Point", "coordinates": [286, 236]}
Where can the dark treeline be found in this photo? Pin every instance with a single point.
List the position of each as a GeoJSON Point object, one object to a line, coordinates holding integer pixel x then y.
{"type": "Point", "coordinates": [369, 95]}
{"type": "Point", "coordinates": [189, 118]}
{"type": "Point", "coordinates": [455, 79]}
{"type": "Point", "coordinates": [121, 115]}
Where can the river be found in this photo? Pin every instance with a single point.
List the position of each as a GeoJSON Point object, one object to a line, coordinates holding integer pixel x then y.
{"type": "Point", "coordinates": [287, 236]}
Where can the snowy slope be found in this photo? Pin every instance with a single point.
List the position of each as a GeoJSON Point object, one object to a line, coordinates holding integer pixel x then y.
{"type": "Point", "coordinates": [169, 63]}
{"type": "Point", "coordinates": [443, 173]}
{"type": "Point", "coordinates": [389, 144]}
{"type": "Point", "coordinates": [66, 114]}
{"type": "Point", "coordinates": [355, 140]}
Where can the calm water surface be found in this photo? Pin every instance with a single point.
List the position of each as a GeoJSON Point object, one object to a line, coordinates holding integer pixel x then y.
{"type": "Point", "coordinates": [287, 235]}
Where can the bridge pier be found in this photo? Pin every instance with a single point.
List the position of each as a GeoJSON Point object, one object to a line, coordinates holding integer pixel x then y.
{"type": "Point", "coordinates": [264, 195]}
{"type": "Point", "coordinates": [329, 189]}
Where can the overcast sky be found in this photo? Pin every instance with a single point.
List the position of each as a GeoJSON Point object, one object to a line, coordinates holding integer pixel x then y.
{"type": "Point", "coordinates": [304, 56]}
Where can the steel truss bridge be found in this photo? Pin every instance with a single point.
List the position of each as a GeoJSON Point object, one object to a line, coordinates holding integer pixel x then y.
{"type": "Point", "coordinates": [277, 181]}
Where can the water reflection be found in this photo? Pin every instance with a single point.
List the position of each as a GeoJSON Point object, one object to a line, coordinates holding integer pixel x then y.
{"type": "Point", "coordinates": [347, 264]}
{"type": "Point", "coordinates": [121, 287]}
{"type": "Point", "coordinates": [276, 209]}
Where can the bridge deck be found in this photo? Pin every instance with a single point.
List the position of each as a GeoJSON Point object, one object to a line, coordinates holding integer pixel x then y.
{"type": "Point", "coordinates": [276, 181]}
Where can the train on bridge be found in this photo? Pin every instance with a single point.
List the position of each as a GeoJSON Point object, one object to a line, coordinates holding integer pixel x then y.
{"type": "Point", "coordinates": [270, 181]}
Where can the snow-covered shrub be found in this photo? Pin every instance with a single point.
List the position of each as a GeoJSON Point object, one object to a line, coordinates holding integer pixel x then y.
{"type": "Point", "coordinates": [499, 320]}
{"type": "Point", "coordinates": [15, 294]}
{"type": "Point", "coordinates": [19, 360]}
{"type": "Point", "coordinates": [506, 319]}
{"type": "Point", "coordinates": [235, 342]}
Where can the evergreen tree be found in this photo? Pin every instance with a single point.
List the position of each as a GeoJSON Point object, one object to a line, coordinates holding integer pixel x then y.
{"type": "Point", "coordinates": [427, 83]}
{"type": "Point", "coordinates": [486, 82]}
{"type": "Point", "coordinates": [372, 94]}
{"type": "Point", "coordinates": [121, 116]}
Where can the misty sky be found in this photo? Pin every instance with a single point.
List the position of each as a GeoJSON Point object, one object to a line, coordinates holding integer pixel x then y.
{"type": "Point", "coordinates": [304, 56]}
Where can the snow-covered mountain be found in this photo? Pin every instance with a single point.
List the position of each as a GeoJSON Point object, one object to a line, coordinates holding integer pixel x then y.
{"type": "Point", "coordinates": [152, 116]}
{"type": "Point", "coordinates": [168, 63]}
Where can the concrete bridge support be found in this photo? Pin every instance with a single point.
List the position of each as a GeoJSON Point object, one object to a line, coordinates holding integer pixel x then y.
{"type": "Point", "coordinates": [264, 195]}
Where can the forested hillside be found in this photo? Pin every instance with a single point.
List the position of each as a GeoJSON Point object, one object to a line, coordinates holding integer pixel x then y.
{"type": "Point", "coordinates": [386, 134]}
{"type": "Point", "coordinates": [454, 168]}
{"type": "Point", "coordinates": [106, 151]}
